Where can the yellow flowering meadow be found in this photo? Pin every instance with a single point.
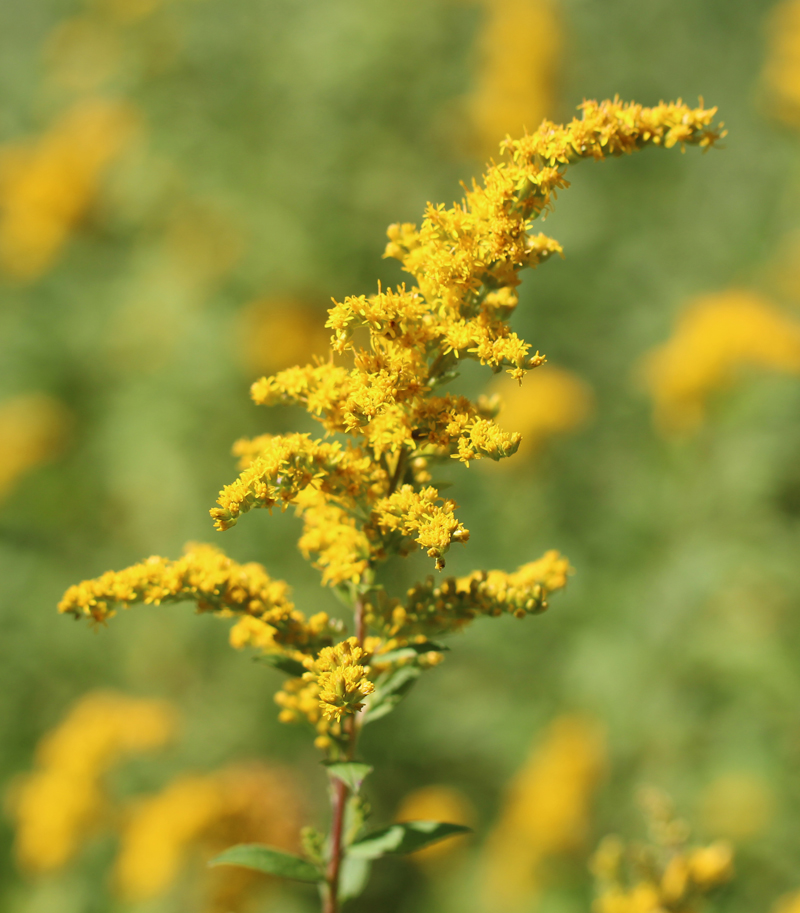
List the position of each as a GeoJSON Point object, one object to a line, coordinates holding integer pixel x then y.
{"type": "Point", "coordinates": [365, 487]}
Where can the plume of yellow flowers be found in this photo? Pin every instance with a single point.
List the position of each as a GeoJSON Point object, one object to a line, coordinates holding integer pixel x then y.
{"type": "Point", "coordinates": [716, 337]}
{"type": "Point", "coordinates": [364, 489]}
{"type": "Point", "coordinates": [667, 874]}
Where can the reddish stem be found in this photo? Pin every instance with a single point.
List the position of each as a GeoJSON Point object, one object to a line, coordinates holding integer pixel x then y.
{"type": "Point", "coordinates": [340, 792]}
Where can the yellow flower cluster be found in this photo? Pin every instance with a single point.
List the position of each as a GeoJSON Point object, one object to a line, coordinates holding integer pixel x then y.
{"type": "Point", "coordinates": [669, 875]}
{"type": "Point", "coordinates": [545, 813]}
{"type": "Point", "coordinates": [340, 678]}
{"type": "Point", "coordinates": [417, 514]}
{"type": "Point", "coordinates": [716, 336]}
{"type": "Point", "coordinates": [465, 262]}
{"type": "Point", "coordinates": [62, 802]}
{"type": "Point", "coordinates": [213, 581]}
{"type": "Point", "coordinates": [782, 68]}
{"type": "Point", "coordinates": [48, 183]}
{"type": "Point", "coordinates": [520, 47]}
{"type": "Point", "coordinates": [433, 608]}
{"type": "Point", "coordinates": [33, 429]}
{"type": "Point", "coordinates": [198, 814]}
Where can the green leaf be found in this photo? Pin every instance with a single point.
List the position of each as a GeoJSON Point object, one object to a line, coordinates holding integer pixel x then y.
{"type": "Point", "coordinates": [284, 663]}
{"type": "Point", "coordinates": [351, 773]}
{"type": "Point", "coordinates": [390, 692]}
{"type": "Point", "coordinates": [353, 876]}
{"type": "Point", "coordinates": [270, 861]}
{"type": "Point", "coordinates": [404, 837]}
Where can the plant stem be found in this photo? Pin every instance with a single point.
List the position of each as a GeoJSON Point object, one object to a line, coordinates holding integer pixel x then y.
{"type": "Point", "coordinates": [340, 789]}
{"type": "Point", "coordinates": [339, 802]}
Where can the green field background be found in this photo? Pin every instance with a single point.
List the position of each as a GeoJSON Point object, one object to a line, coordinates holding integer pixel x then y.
{"type": "Point", "coordinates": [295, 131]}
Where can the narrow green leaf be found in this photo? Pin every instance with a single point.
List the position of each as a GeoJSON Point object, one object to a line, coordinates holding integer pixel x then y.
{"type": "Point", "coordinates": [404, 837]}
{"type": "Point", "coordinates": [270, 861]}
{"type": "Point", "coordinates": [283, 663]}
{"type": "Point", "coordinates": [351, 773]}
{"type": "Point", "coordinates": [353, 876]}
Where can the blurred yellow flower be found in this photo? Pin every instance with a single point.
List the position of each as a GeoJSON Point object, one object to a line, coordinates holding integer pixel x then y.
{"type": "Point", "coordinates": [520, 51]}
{"type": "Point", "coordinates": [276, 333]}
{"type": "Point", "coordinates": [715, 337]}
{"type": "Point", "coordinates": [545, 813]}
{"type": "Point", "coordinates": [48, 183]}
{"type": "Point", "coordinates": [789, 903]}
{"type": "Point", "coordinates": [197, 816]}
{"type": "Point", "coordinates": [552, 401]}
{"type": "Point", "coordinates": [782, 67]}
{"type": "Point", "coordinates": [60, 804]}
{"type": "Point", "coordinates": [737, 806]}
{"type": "Point", "coordinates": [33, 429]}
{"type": "Point", "coordinates": [437, 803]}
{"type": "Point", "coordinates": [666, 874]}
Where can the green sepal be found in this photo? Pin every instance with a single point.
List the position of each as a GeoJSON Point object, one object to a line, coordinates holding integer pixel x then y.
{"type": "Point", "coordinates": [351, 773]}
{"type": "Point", "coordinates": [269, 861]}
{"type": "Point", "coordinates": [404, 837]}
{"type": "Point", "coordinates": [390, 692]}
{"type": "Point", "coordinates": [283, 663]}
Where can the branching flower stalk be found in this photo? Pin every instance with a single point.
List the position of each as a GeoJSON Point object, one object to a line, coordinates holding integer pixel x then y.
{"type": "Point", "coordinates": [365, 489]}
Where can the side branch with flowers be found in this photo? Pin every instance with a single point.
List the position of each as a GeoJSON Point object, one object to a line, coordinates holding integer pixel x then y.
{"type": "Point", "coordinates": [364, 491]}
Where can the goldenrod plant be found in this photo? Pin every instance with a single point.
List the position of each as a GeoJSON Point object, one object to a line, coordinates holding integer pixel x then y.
{"type": "Point", "coordinates": [366, 490]}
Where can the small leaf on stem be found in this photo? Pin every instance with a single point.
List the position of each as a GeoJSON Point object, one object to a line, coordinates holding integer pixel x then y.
{"type": "Point", "coordinates": [270, 861]}
{"type": "Point", "coordinates": [351, 773]}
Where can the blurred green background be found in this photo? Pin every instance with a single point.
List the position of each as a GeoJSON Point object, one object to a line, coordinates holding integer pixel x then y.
{"type": "Point", "coordinates": [245, 166]}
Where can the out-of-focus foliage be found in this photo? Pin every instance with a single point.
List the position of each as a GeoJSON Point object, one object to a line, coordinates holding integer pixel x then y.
{"type": "Point", "coordinates": [258, 152]}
